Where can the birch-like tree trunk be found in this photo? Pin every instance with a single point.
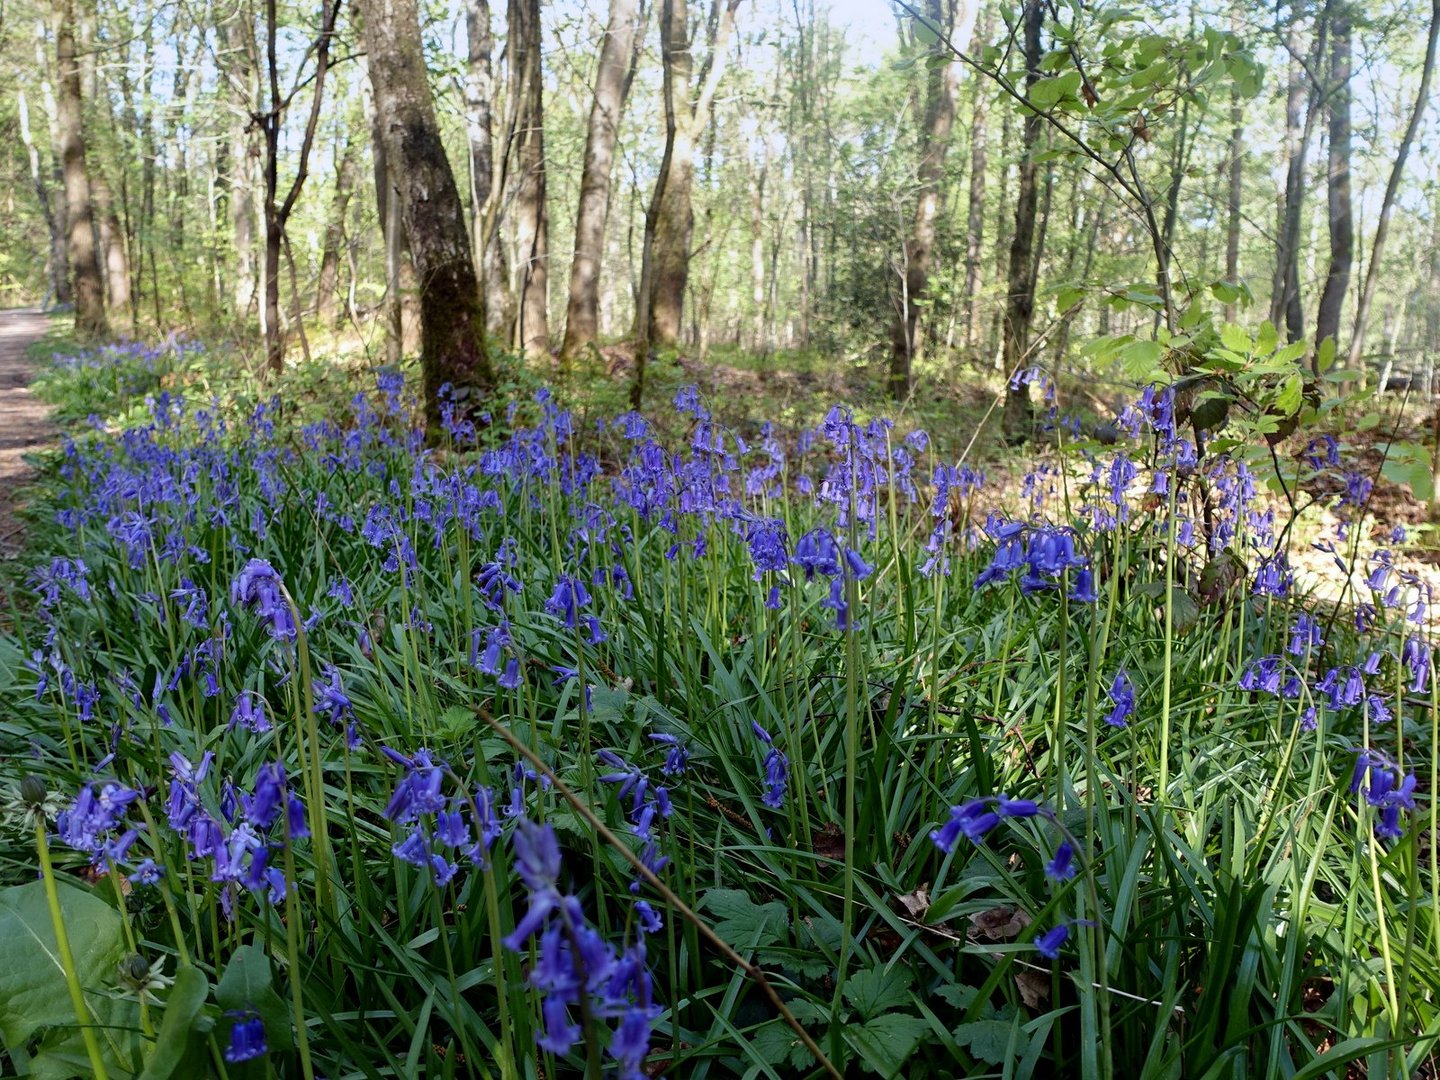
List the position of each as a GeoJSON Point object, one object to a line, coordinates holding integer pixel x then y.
{"type": "Point", "coordinates": [327, 286]}
{"type": "Point", "coordinates": [670, 219]}
{"type": "Point", "coordinates": [531, 214]}
{"type": "Point", "coordinates": [612, 85]}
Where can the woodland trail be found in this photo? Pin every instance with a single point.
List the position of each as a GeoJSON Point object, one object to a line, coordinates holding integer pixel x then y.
{"type": "Point", "coordinates": [24, 419]}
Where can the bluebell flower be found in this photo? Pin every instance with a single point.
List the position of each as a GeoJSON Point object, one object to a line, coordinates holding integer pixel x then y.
{"type": "Point", "coordinates": [566, 601]}
{"type": "Point", "coordinates": [1122, 698]}
{"type": "Point", "coordinates": [973, 820]}
{"type": "Point", "coordinates": [676, 756]}
{"type": "Point", "coordinates": [247, 1038]}
{"type": "Point", "coordinates": [1051, 941]}
{"type": "Point", "coordinates": [1062, 867]}
{"type": "Point", "coordinates": [258, 588]}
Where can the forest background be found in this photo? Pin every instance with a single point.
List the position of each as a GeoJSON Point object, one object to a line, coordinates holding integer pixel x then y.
{"type": "Point", "coordinates": [822, 191]}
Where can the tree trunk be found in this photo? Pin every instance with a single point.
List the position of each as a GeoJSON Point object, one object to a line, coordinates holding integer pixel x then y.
{"type": "Point", "coordinates": [484, 186]}
{"type": "Point", "coordinates": [57, 267]}
{"type": "Point", "coordinates": [1232, 204]}
{"type": "Point", "coordinates": [1018, 422]}
{"type": "Point", "coordinates": [1342, 226]}
{"type": "Point", "coordinates": [1392, 187]}
{"type": "Point", "coordinates": [237, 58]}
{"type": "Point", "coordinates": [112, 244]}
{"type": "Point", "coordinates": [89, 291]}
{"type": "Point", "coordinates": [975, 213]}
{"type": "Point", "coordinates": [670, 220]}
{"type": "Point", "coordinates": [532, 222]}
{"type": "Point", "coordinates": [612, 84]}
{"type": "Point", "coordinates": [1286, 303]}
{"type": "Point", "coordinates": [327, 290]}
{"type": "Point", "coordinates": [940, 83]}
{"type": "Point", "coordinates": [452, 316]}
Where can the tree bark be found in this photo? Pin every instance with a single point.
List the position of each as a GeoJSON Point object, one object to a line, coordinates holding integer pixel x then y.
{"type": "Point", "coordinates": [327, 288]}
{"type": "Point", "coordinates": [1392, 188]}
{"type": "Point", "coordinates": [1018, 421]}
{"type": "Point", "coordinates": [1342, 224]}
{"type": "Point", "coordinates": [1286, 305]}
{"type": "Point", "coordinates": [57, 267]}
{"type": "Point", "coordinates": [612, 84]}
{"type": "Point", "coordinates": [532, 221]}
{"type": "Point", "coordinates": [1234, 168]}
{"type": "Point", "coordinates": [89, 288]}
{"type": "Point", "coordinates": [975, 210]}
{"type": "Point", "coordinates": [238, 61]}
{"type": "Point", "coordinates": [485, 188]}
{"type": "Point", "coordinates": [116, 259]}
{"type": "Point", "coordinates": [670, 219]}
{"type": "Point", "coordinates": [940, 84]}
{"type": "Point", "coordinates": [452, 316]}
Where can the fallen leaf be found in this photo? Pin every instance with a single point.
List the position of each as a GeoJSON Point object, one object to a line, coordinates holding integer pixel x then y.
{"type": "Point", "coordinates": [829, 842]}
{"type": "Point", "coordinates": [917, 902]}
{"type": "Point", "coordinates": [1034, 988]}
{"type": "Point", "coordinates": [1000, 923]}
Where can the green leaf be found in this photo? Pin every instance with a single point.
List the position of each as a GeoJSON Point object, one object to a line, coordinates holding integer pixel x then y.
{"type": "Point", "coordinates": [925, 33]}
{"type": "Point", "coordinates": [1068, 297]}
{"type": "Point", "coordinates": [1140, 357]}
{"type": "Point", "coordinates": [1290, 395]}
{"type": "Point", "coordinates": [1047, 92]}
{"type": "Point", "coordinates": [1235, 339]}
{"type": "Point", "coordinates": [1266, 338]}
{"type": "Point", "coordinates": [988, 1040]}
{"type": "Point", "coordinates": [876, 990]}
{"type": "Point", "coordinates": [742, 922]}
{"type": "Point", "coordinates": [174, 1039]}
{"type": "Point", "coordinates": [247, 984]}
{"type": "Point", "coordinates": [886, 1042]}
{"type": "Point", "coordinates": [1325, 358]}
{"type": "Point", "coordinates": [33, 993]}
{"type": "Point", "coordinates": [1409, 463]}
{"type": "Point", "coordinates": [1289, 354]}
{"type": "Point", "coordinates": [776, 1041]}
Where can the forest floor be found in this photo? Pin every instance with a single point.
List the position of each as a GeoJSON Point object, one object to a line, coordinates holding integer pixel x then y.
{"type": "Point", "coordinates": [24, 418]}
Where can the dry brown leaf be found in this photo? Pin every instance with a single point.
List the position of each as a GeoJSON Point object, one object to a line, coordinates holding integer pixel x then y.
{"type": "Point", "coordinates": [1034, 988]}
{"type": "Point", "coordinates": [917, 902]}
{"type": "Point", "coordinates": [999, 923]}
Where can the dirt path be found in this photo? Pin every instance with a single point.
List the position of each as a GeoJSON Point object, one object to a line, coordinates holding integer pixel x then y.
{"type": "Point", "coordinates": [24, 426]}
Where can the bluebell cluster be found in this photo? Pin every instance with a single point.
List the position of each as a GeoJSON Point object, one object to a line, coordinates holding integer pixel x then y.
{"type": "Point", "coordinates": [200, 531]}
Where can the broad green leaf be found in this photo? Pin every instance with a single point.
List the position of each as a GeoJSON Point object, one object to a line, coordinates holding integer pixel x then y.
{"type": "Point", "coordinates": [776, 1041]}
{"type": "Point", "coordinates": [1235, 339]}
{"type": "Point", "coordinates": [1140, 357]}
{"type": "Point", "coordinates": [876, 990]}
{"type": "Point", "coordinates": [33, 993]}
{"type": "Point", "coordinates": [1266, 338]}
{"type": "Point", "coordinates": [176, 1037]}
{"type": "Point", "coordinates": [885, 1043]}
{"type": "Point", "coordinates": [742, 922]}
{"type": "Point", "coordinates": [1409, 463]}
{"type": "Point", "coordinates": [925, 33]}
{"type": "Point", "coordinates": [247, 984]}
{"type": "Point", "coordinates": [988, 1040]}
{"type": "Point", "coordinates": [1290, 395]}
